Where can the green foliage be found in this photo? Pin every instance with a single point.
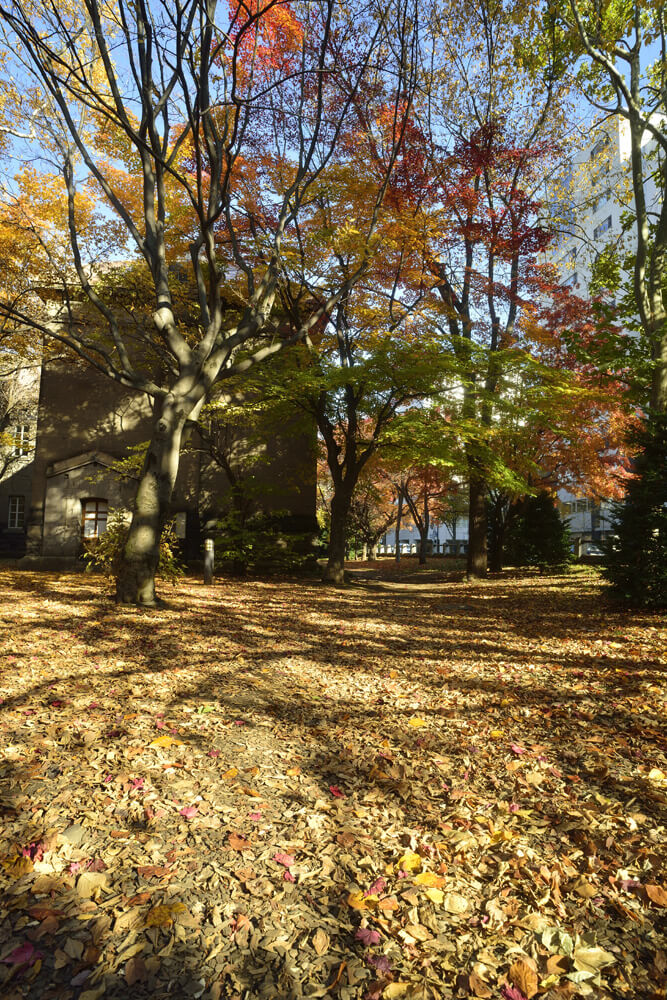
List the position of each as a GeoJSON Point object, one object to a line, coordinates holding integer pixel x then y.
{"type": "Point", "coordinates": [106, 552]}
{"type": "Point", "coordinates": [537, 536]}
{"type": "Point", "coordinates": [637, 555]}
{"type": "Point", "coordinates": [258, 543]}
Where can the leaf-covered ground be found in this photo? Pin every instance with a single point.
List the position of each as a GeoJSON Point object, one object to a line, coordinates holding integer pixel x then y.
{"type": "Point", "coordinates": [278, 789]}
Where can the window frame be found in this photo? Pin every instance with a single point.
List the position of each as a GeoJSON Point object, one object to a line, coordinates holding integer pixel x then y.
{"type": "Point", "coordinates": [96, 519]}
{"type": "Point", "coordinates": [17, 515]}
{"type": "Point", "coordinates": [21, 440]}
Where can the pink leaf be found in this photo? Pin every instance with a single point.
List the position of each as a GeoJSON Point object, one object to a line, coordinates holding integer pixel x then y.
{"type": "Point", "coordinates": [189, 811]}
{"type": "Point", "coordinates": [283, 859]}
{"type": "Point", "coordinates": [213, 753]}
{"type": "Point", "coordinates": [377, 887]}
{"type": "Point", "coordinates": [287, 875]}
{"type": "Point", "coordinates": [25, 954]}
{"type": "Point", "coordinates": [515, 748]}
{"type": "Point", "coordinates": [255, 817]}
{"type": "Point", "coordinates": [367, 936]}
{"type": "Point", "coordinates": [512, 993]}
{"type": "Point", "coordinates": [514, 807]}
{"type": "Point", "coordinates": [34, 851]}
{"type": "Point", "coordinates": [336, 792]}
{"type": "Point", "coordinates": [137, 782]}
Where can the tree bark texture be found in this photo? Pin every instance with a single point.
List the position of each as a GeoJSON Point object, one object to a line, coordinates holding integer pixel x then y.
{"type": "Point", "coordinates": [477, 527]}
{"type": "Point", "coordinates": [335, 569]}
{"type": "Point", "coordinates": [135, 582]}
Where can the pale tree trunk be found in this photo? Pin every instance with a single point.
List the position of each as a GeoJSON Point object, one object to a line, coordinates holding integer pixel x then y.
{"type": "Point", "coordinates": [135, 581]}
{"type": "Point", "coordinates": [423, 531]}
{"type": "Point", "coordinates": [397, 536]}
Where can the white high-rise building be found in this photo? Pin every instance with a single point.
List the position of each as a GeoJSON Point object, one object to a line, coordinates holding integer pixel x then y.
{"type": "Point", "coordinates": [587, 201]}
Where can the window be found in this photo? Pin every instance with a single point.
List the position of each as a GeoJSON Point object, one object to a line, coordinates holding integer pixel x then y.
{"type": "Point", "coordinates": [602, 228]}
{"type": "Point", "coordinates": [572, 281]}
{"type": "Point", "coordinates": [21, 439]}
{"type": "Point", "coordinates": [599, 148]}
{"type": "Point", "coordinates": [94, 517]}
{"type": "Point", "coordinates": [16, 517]}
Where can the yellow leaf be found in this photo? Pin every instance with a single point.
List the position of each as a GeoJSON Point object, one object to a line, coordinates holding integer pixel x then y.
{"type": "Point", "coordinates": [357, 900]}
{"type": "Point", "coordinates": [163, 916]}
{"type": "Point", "coordinates": [435, 895]}
{"type": "Point", "coordinates": [231, 773]}
{"type": "Point", "coordinates": [655, 774]}
{"type": "Point", "coordinates": [497, 734]}
{"type": "Point", "coordinates": [17, 865]}
{"type": "Point", "coordinates": [166, 741]}
{"type": "Point", "coordinates": [293, 771]}
{"type": "Point", "coordinates": [416, 723]}
{"type": "Point", "coordinates": [410, 861]}
{"type": "Point", "coordinates": [430, 879]}
{"type": "Point", "coordinates": [500, 835]}
{"type": "Point", "coordinates": [394, 990]}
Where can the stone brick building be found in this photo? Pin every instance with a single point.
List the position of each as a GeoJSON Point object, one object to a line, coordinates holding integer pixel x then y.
{"type": "Point", "coordinates": [87, 423]}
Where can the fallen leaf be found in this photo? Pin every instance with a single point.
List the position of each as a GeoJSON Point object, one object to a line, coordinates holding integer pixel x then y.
{"type": "Point", "coordinates": [166, 742]}
{"type": "Point", "coordinates": [523, 973]}
{"type": "Point", "coordinates": [239, 843]}
{"type": "Point", "coordinates": [454, 902]}
{"type": "Point", "coordinates": [367, 936]}
{"type": "Point", "coordinates": [430, 879]}
{"type": "Point", "coordinates": [656, 894]}
{"type": "Point", "coordinates": [320, 942]}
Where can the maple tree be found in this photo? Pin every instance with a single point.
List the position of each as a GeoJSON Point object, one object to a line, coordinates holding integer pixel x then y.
{"type": "Point", "coordinates": [201, 135]}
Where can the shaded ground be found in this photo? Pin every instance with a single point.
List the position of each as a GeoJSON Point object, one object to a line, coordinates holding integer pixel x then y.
{"type": "Point", "coordinates": [273, 789]}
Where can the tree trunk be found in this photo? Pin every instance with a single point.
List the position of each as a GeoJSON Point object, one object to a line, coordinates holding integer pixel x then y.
{"type": "Point", "coordinates": [477, 526]}
{"type": "Point", "coordinates": [135, 580]}
{"type": "Point", "coordinates": [335, 569]}
{"type": "Point", "coordinates": [397, 535]}
{"type": "Point", "coordinates": [498, 519]}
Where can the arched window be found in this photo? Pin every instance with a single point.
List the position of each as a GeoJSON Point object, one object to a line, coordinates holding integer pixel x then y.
{"type": "Point", "coordinates": [94, 511]}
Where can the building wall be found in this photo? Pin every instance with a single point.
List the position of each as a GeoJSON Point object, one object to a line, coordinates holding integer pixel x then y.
{"type": "Point", "coordinates": [86, 422]}
{"type": "Point", "coordinates": [17, 478]}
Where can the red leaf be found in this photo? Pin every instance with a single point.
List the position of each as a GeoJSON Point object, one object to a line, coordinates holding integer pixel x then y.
{"type": "Point", "coordinates": [336, 792]}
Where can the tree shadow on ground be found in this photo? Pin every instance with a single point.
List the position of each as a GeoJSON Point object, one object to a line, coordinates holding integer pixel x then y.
{"type": "Point", "coordinates": [251, 654]}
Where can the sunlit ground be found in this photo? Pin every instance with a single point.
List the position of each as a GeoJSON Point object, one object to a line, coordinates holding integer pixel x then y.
{"type": "Point", "coordinates": [278, 789]}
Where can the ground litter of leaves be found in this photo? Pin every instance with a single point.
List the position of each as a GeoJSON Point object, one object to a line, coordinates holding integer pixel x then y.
{"type": "Point", "coordinates": [280, 789]}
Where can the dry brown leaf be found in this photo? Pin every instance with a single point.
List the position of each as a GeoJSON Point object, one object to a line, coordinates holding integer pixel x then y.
{"type": "Point", "coordinates": [321, 941]}
{"type": "Point", "coordinates": [454, 902]}
{"type": "Point", "coordinates": [478, 987]}
{"type": "Point", "coordinates": [523, 974]}
{"type": "Point", "coordinates": [656, 894]}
